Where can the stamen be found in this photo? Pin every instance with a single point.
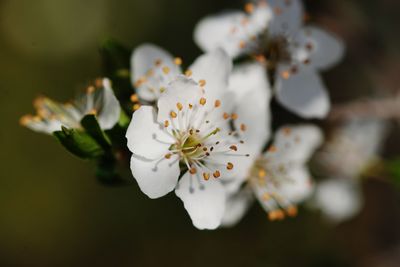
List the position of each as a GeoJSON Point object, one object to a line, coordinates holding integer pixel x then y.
{"type": "Point", "coordinates": [234, 116]}
{"type": "Point", "coordinates": [291, 211]}
{"type": "Point", "coordinates": [285, 74]}
{"type": "Point", "coordinates": [202, 101]}
{"type": "Point", "coordinates": [136, 107]}
{"type": "Point", "coordinates": [90, 90]}
{"type": "Point", "coordinates": [134, 98]}
{"type": "Point", "coordinates": [206, 176]}
{"type": "Point", "coordinates": [193, 170]}
{"type": "Point", "coordinates": [202, 83]}
{"type": "Point", "coordinates": [178, 61]}
{"type": "Point", "coordinates": [233, 147]}
{"type": "Point", "coordinates": [173, 114]}
{"type": "Point", "coordinates": [272, 149]}
{"type": "Point", "coordinates": [243, 127]}
{"type": "Point", "coordinates": [226, 116]}
{"type": "Point", "coordinates": [188, 73]}
{"type": "Point", "coordinates": [158, 62]}
{"type": "Point", "coordinates": [216, 174]}
{"type": "Point", "coordinates": [166, 70]}
{"type": "Point", "coordinates": [166, 123]}
{"type": "Point", "coordinates": [179, 106]}
{"type": "Point", "coordinates": [217, 103]}
{"type": "Point", "coordinates": [249, 7]}
{"type": "Point", "coordinates": [229, 165]}
{"type": "Point", "coordinates": [168, 156]}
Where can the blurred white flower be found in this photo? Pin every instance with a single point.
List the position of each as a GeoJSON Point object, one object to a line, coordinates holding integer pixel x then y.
{"type": "Point", "coordinates": [98, 100]}
{"type": "Point", "coordinates": [277, 178]}
{"type": "Point", "coordinates": [191, 131]}
{"type": "Point", "coordinates": [273, 33]}
{"type": "Point", "coordinates": [353, 148]}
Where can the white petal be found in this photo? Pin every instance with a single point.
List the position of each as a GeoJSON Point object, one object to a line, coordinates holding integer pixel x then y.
{"type": "Point", "coordinates": [303, 93]}
{"type": "Point", "coordinates": [236, 207]}
{"type": "Point", "coordinates": [338, 199]}
{"type": "Point", "coordinates": [299, 187]}
{"type": "Point", "coordinates": [287, 18]}
{"type": "Point", "coordinates": [143, 60]}
{"type": "Point", "coordinates": [253, 94]}
{"type": "Point", "coordinates": [155, 178]}
{"type": "Point", "coordinates": [218, 31]}
{"type": "Point", "coordinates": [184, 91]}
{"type": "Point", "coordinates": [110, 108]}
{"type": "Point", "coordinates": [205, 203]}
{"type": "Point", "coordinates": [145, 136]}
{"type": "Point", "coordinates": [297, 143]}
{"type": "Point", "coordinates": [213, 67]}
{"type": "Point", "coordinates": [322, 49]}
{"type": "Point", "coordinates": [42, 126]}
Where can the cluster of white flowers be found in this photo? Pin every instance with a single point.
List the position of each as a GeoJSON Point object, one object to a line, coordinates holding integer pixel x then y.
{"type": "Point", "coordinates": [205, 132]}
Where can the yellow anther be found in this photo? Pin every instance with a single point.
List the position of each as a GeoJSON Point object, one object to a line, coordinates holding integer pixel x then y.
{"type": "Point", "coordinates": [249, 7]}
{"type": "Point", "coordinates": [206, 176]}
{"type": "Point", "coordinates": [287, 131]}
{"type": "Point", "coordinates": [216, 174]}
{"type": "Point", "coordinates": [90, 89]}
{"type": "Point", "coordinates": [25, 120]}
{"type": "Point", "coordinates": [292, 211]}
{"type": "Point", "coordinates": [202, 83]}
{"type": "Point", "coordinates": [172, 114]}
{"type": "Point", "coordinates": [229, 165]}
{"type": "Point", "coordinates": [188, 73]}
{"type": "Point", "coordinates": [193, 170]}
{"type": "Point", "coordinates": [178, 61]}
{"type": "Point", "coordinates": [166, 123]}
{"type": "Point", "coordinates": [262, 173]}
{"type": "Point", "coordinates": [98, 82]}
{"type": "Point", "coordinates": [93, 112]}
{"type": "Point", "coordinates": [190, 106]}
{"type": "Point", "coordinates": [134, 98]}
{"type": "Point", "coordinates": [266, 197]}
{"type": "Point", "coordinates": [233, 147]}
{"type": "Point", "coordinates": [166, 70]}
{"type": "Point", "coordinates": [243, 127]}
{"type": "Point", "coordinates": [217, 103]}
{"type": "Point", "coordinates": [202, 101]}
{"type": "Point", "coordinates": [168, 156]}
{"type": "Point", "coordinates": [162, 90]}
{"type": "Point", "coordinates": [179, 106]}
{"type": "Point", "coordinates": [136, 107]}
{"type": "Point", "coordinates": [226, 116]}
{"type": "Point", "coordinates": [242, 44]}
{"type": "Point", "coordinates": [272, 149]}
{"type": "Point", "coordinates": [285, 74]}
{"type": "Point", "coordinates": [234, 116]}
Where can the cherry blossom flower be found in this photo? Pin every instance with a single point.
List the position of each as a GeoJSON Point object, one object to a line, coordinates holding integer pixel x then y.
{"type": "Point", "coordinates": [272, 32]}
{"type": "Point", "coordinates": [187, 143]}
{"type": "Point", "coordinates": [51, 116]}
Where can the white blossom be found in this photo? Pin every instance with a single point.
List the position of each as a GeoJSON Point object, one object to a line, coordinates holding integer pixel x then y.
{"type": "Point", "coordinates": [291, 52]}
{"type": "Point", "coordinates": [98, 100]}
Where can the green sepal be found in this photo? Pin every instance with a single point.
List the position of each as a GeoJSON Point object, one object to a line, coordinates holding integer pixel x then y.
{"type": "Point", "coordinates": [393, 168]}
{"type": "Point", "coordinates": [79, 143]}
{"type": "Point", "coordinates": [92, 127]}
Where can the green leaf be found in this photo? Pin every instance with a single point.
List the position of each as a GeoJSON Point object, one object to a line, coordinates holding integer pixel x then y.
{"type": "Point", "coordinates": [92, 127]}
{"type": "Point", "coordinates": [79, 143]}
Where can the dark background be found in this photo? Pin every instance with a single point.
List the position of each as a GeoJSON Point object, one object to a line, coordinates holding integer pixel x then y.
{"type": "Point", "coordinates": [52, 210]}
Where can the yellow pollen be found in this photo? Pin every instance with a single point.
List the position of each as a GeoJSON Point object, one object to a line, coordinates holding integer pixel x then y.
{"type": "Point", "coordinates": [229, 165]}
{"type": "Point", "coordinates": [233, 147]}
{"type": "Point", "coordinates": [234, 116]}
{"type": "Point", "coordinates": [173, 114]}
{"type": "Point", "coordinates": [266, 197]}
{"type": "Point", "coordinates": [134, 98]}
{"type": "Point", "coordinates": [202, 83]}
{"type": "Point", "coordinates": [136, 107]}
{"type": "Point", "coordinates": [168, 156]}
{"type": "Point", "coordinates": [291, 211]}
{"type": "Point", "coordinates": [193, 170]}
{"type": "Point", "coordinates": [249, 7]}
{"type": "Point", "coordinates": [166, 123]}
{"type": "Point", "coordinates": [262, 173]}
{"type": "Point", "coordinates": [285, 74]}
{"type": "Point", "coordinates": [217, 103]}
{"type": "Point", "coordinates": [188, 73]}
{"type": "Point", "coordinates": [226, 116]}
{"type": "Point", "coordinates": [178, 61]}
{"type": "Point", "coordinates": [202, 101]}
{"type": "Point", "coordinates": [166, 70]}
{"type": "Point", "coordinates": [93, 112]}
{"type": "Point", "coordinates": [90, 89]}
{"type": "Point", "coordinates": [206, 176]}
{"type": "Point", "coordinates": [243, 127]}
{"type": "Point", "coordinates": [216, 174]}
{"type": "Point", "coordinates": [179, 106]}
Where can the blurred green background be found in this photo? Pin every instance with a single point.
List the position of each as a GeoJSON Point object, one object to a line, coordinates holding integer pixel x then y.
{"type": "Point", "coordinates": [53, 211]}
